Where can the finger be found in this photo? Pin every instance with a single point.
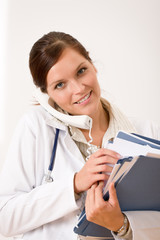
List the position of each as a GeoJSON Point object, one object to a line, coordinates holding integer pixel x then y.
{"type": "Point", "coordinates": [99, 188]}
{"type": "Point", "coordinates": [91, 194]}
{"type": "Point", "coordinates": [101, 164]}
{"type": "Point", "coordinates": [112, 194]}
{"type": "Point", "coordinates": [99, 194]}
{"type": "Point", "coordinates": [107, 168]}
{"type": "Point", "coordinates": [105, 151]}
{"type": "Point", "coordinates": [101, 177]}
{"type": "Point", "coordinates": [105, 159]}
{"type": "Point", "coordinates": [90, 199]}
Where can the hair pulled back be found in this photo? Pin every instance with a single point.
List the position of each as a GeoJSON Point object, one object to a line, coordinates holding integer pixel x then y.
{"type": "Point", "coordinates": [46, 52]}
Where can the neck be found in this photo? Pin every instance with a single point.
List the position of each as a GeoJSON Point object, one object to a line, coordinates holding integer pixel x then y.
{"type": "Point", "coordinates": [99, 126]}
{"type": "Point", "coordinates": [100, 120]}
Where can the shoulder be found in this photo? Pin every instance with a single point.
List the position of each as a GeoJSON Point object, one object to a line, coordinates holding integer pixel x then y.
{"type": "Point", "coordinates": [34, 119]}
{"type": "Point", "coordinates": [37, 121]}
{"type": "Point", "coordinates": [146, 127]}
{"type": "Point", "coordinates": [34, 114]}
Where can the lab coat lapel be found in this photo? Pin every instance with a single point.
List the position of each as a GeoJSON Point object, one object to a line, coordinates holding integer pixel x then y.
{"type": "Point", "coordinates": [73, 149]}
{"type": "Point", "coordinates": [69, 144]}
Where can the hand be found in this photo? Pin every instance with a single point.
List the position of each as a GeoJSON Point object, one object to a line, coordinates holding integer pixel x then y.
{"type": "Point", "coordinates": [96, 169]}
{"type": "Point", "coordinates": [105, 213]}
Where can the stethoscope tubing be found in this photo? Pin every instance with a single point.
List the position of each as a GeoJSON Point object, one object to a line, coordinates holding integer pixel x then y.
{"type": "Point", "coordinates": [50, 168]}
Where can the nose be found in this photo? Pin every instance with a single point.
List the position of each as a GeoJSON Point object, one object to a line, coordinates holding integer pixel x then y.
{"type": "Point", "coordinates": [76, 86]}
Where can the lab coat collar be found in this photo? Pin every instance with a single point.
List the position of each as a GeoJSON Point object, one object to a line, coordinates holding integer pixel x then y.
{"type": "Point", "coordinates": [55, 123]}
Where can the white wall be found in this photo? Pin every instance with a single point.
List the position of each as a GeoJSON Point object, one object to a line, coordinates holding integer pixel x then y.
{"type": "Point", "coordinates": [122, 36]}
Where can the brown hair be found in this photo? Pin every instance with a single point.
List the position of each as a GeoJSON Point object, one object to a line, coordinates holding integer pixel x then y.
{"type": "Point", "coordinates": [46, 52]}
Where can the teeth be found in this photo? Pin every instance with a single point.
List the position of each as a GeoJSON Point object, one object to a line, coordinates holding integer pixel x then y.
{"type": "Point", "coordinates": [85, 98]}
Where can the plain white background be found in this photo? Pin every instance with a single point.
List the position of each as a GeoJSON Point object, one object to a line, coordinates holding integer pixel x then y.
{"type": "Point", "coordinates": [122, 36]}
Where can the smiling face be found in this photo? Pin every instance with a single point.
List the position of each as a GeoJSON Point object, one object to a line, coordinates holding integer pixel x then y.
{"type": "Point", "coordinates": [72, 83]}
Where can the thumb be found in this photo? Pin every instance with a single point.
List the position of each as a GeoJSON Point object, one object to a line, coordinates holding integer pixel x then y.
{"type": "Point", "coordinates": [112, 194]}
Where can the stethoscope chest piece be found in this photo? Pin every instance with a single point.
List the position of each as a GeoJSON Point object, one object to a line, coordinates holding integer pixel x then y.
{"type": "Point", "coordinates": [48, 178]}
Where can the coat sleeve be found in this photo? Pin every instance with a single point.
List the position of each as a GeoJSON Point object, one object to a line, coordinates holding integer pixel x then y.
{"type": "Point", "coordinates": [24, 205]}
{"type": "Point", "coordinates": [145, 224]}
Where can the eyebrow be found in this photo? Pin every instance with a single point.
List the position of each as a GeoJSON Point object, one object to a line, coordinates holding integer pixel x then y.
{"type": "Point", "coordinates": [79, 66]}
{"type": "Point", "coordinates": [61, 80]}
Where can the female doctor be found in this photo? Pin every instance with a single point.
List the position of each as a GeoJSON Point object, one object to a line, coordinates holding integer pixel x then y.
{"type": "Point", "coordinates": [38, 203]}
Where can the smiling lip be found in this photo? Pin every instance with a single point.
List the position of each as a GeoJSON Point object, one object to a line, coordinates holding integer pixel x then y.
{"type": "Point", "coordinates": [85, 99]}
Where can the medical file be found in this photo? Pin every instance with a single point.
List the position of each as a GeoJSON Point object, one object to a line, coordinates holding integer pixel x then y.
{"type": "Point", "coordinates": [136, 180]}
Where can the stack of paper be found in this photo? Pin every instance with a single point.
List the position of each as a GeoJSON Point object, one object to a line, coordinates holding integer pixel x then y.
{"type": "Point", "coordinates": [136, 177]}
{"type": "Point", "coordinates": [130, 147]}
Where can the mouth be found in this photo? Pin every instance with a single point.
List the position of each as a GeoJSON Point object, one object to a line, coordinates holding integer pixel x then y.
{"type": "Point", "coordinates": [84, 99]}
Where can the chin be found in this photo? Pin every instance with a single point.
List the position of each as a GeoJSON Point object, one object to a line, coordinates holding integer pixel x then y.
{"type": "Point", "coordinates": [89, 113]}
{"type": "Point", "coordinates": [89, 110]}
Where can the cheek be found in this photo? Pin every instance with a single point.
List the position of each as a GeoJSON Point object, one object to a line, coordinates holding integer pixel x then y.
{"type": "Point", "coordinates": [96, 85]}
{"type": "Point", "coordinates": [60, 98]}
{"type": "Point", "coordinates": [92, 80]}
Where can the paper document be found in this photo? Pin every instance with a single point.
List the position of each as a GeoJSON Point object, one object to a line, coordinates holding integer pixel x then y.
{"type": "Point", "coordinates": [136, 176]}
{"type": "Point", "coordinates": [126, 148]}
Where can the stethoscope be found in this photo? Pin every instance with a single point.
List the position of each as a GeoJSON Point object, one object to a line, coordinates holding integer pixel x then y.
{"type": "Point", "coordinates": [48, 177]}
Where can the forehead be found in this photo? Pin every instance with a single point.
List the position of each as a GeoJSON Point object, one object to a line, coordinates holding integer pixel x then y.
{"type": "Point", "coordinates": [68, 62]}
{"type": "Point", "coordinates": [69, 54]}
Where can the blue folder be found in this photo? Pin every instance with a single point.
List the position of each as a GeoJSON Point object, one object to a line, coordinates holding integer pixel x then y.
{"type": "Point", "coordinates": [138, 190]}
{"type": "Point", "coordinates": [139, 139]}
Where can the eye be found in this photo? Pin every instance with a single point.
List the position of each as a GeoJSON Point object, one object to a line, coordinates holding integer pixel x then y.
{"type": "Point", "coordinates": [81, 71]}
{"type": "Point", "coordinates": [59, 85]}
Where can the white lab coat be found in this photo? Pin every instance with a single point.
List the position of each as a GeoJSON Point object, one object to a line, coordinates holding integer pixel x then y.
{"type": "Point", "coordinates": [49, 211]}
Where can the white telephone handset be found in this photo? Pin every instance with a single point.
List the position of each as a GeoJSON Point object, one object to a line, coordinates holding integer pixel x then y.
{"type": "Point", "coordinates": [79, 121]}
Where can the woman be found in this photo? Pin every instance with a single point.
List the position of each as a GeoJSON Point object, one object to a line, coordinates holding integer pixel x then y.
{"type": "Point", "coordinates": [62, 69]}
